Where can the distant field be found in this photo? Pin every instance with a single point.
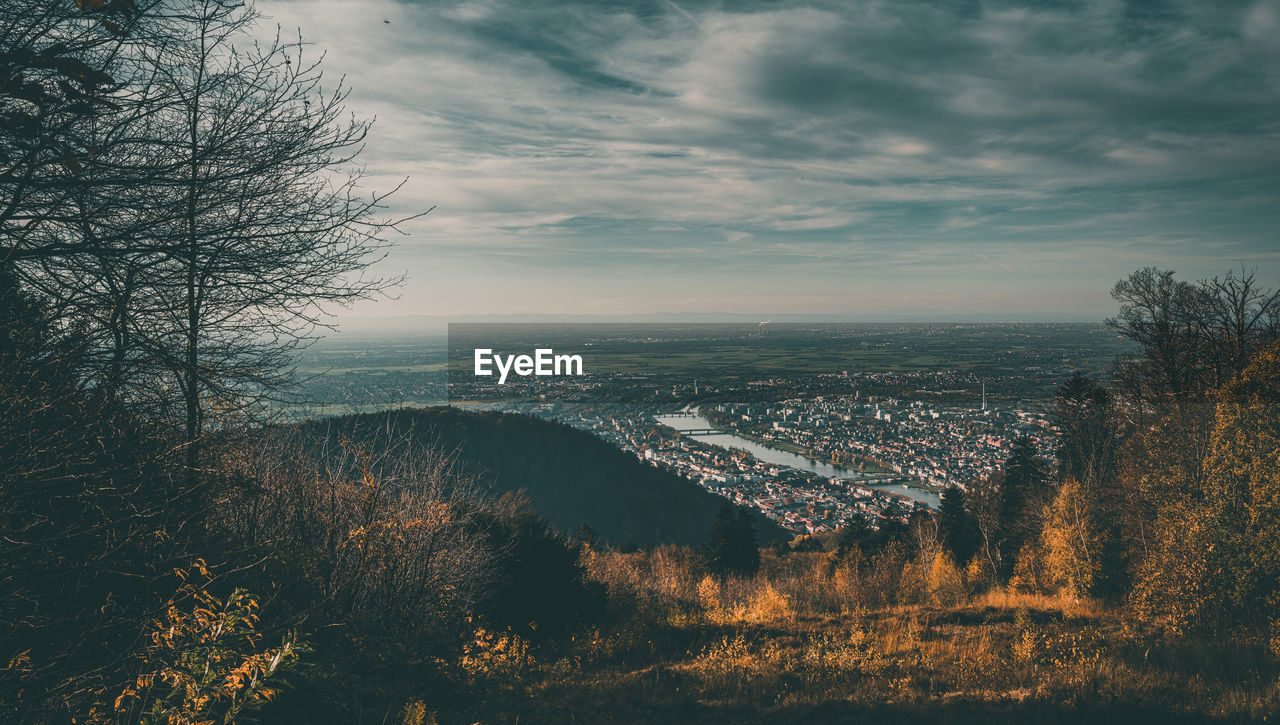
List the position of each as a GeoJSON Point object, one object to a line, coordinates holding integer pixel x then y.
{"type": "Point", "coordinates": [746, 360]}
{"type": "Point", "coordinates": [1017, 361]}
{"type": "Point", "coordinates": [808, 349]}
{"type": "Point", "coordinates": [374, 369]}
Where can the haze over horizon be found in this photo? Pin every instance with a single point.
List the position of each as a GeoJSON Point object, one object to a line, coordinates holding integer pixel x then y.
{"type": "Point", "coordinates": [436, 325]}
{"type": "Point", "coordinates": [812, 160]}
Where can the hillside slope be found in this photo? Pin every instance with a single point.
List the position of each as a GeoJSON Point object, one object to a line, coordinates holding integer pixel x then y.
{"type": "Point", "coordinates": [571, 476]}
{"type": "Point", "coordinates": [1000, 658]}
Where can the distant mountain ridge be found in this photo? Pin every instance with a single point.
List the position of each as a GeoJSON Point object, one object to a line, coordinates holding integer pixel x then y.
{"type": "Point", "coordinates": [571, 476]}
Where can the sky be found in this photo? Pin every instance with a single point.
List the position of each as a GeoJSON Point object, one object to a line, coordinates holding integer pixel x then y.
{"type": "Point", "coordinates": [843, 160]}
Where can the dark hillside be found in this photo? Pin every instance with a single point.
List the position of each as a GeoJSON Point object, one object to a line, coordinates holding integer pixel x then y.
{"type": "Point", "coordinates": [570, 475]}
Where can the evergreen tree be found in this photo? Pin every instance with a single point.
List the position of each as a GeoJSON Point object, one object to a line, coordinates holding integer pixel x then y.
{"type": "Point", "coordinates": [1082, 411]}
{"type": "Point", "coordinates": [858, 542]}
{"type": "Point", "coordinates": [540, 587]}
{"type": "Point", "coordinates": [959, 532]}
{"type": "Point", "coordinates": [731, 542]}
{"type": "Point", "coordinates": [1023, 492]}
{"type": "Point", "coordinates": [890, 530]}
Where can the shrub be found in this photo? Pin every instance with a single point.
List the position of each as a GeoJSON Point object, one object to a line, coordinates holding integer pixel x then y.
{"type": "Point", "coordinates": [978, 575]}
{"type": "Point", "coordinates": [946, 585]}
{"type": "Point", "coordinates": [205, 661]}
{"type": "Point", "coordinates": [766, 605]}
{"type": "Point", "coordinates": [539, 586]}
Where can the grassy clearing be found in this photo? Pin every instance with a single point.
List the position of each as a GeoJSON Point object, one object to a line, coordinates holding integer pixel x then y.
{"type": "Point", "coordinates": [761, 651]}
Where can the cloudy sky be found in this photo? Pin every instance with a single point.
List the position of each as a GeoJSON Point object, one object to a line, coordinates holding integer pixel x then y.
{"type": "Point", "coordinates": [850, 159]}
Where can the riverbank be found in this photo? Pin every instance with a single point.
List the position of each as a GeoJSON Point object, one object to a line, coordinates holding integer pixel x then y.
{"type": "Point", "coordinates": [695, 420]}
{"type": "Point", "coordinates": [866, 466]}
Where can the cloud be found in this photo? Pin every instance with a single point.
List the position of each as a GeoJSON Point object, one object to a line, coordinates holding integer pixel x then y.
{"type": "Point", "coordinates": [568, 139]}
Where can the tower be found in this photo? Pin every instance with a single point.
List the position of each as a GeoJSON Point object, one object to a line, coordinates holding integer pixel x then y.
{"type": "Point", "coordinates": [984, 395]}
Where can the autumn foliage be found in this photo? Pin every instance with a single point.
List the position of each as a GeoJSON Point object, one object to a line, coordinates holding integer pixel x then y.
{"type": "Point", "coordinates": [205, 662]}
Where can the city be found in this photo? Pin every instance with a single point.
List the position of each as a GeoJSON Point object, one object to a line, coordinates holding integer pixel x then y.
{"type": "Point", "coordinates": [815, 465]}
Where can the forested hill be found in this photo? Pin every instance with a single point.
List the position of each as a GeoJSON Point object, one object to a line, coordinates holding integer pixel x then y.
{"type": "Point", "coordinates": [571, 476]}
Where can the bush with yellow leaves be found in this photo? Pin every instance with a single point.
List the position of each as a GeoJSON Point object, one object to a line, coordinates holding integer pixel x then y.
{"type": "Point", "coordinates": [494, 656]}
{"type": "Point", "coordinates": [766, 605]}
{"type": "Point", "coordinates": [946, 584]}
{"type": "Point", "coordinates": [1071, 540]}
{"type": "Point", "coordinates": [829, 656]}
{"type": "Point", "coordinates": [709, 594]}
{"type": "Point", "coordinates": [415, 713]}
{"type": "Point", "coordinates": [756, 603]}
{"type": "Point", "coordinates": [204, 662]}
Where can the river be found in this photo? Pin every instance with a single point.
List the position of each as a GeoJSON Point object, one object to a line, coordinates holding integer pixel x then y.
{"type": "Point", "coordinates": [694, 421]}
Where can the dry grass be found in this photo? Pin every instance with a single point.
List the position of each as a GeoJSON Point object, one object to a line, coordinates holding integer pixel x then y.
{"type": "Point", "coordinates": [775, 649]}
{"type": "Point", "coordinates": [1062, 603]}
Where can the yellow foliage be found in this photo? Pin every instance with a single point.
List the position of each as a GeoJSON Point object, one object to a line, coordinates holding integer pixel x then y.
{"type": "Point", "coordinates": [415, 713]}
{"type": "Point", "coordinates": [1029, 570]}
{"type": "Point", "coordinates": [1216, 559]}
{"type": "Point", "coordinates": [709, 593]}
{"type": "Point", "coordinates": [1175, 584]}
{"type": "Point", "coordinates": [767, 605]}
{"type": "Point", "coordinates": [1027, 641]}
{"type": "Point", "coordinates": [978, 574]}
{"type": "Point", "coordinates": [495, 655]}
{"type": "Point", "coordinates": [203, 662]}
{"type": "Point", "coordinates": [1071, 541]}
{"type": "Point", "coordinates": [844, 586]}
{"type": "Point", "coordinates": [834, 655]}
{"type": "Point", "coordinates": [946, 586]}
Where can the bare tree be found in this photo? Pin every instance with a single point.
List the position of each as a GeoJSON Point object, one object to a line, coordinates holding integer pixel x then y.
{"type": "Point", "coordinates": [1237, 318]}
{"type": "Point", "coordinates": [1195, 337]}
{"type": "Point", "coordinates": [274, 222]}
{"type": "Point", "coordinates": [178, 205]}
{"type": "Point", "coordinates": [924, 529]}
{"type": "Point", "coordinates": [75, 89]}
{"type": "Point", "coordinates": [1157, 312]}
{"type": "Point", "coordinates": [984, 501]}
{"type": "Point", "coordinates": [218, 218]}
{"type": "Point", "coordinates": [56, 71]}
